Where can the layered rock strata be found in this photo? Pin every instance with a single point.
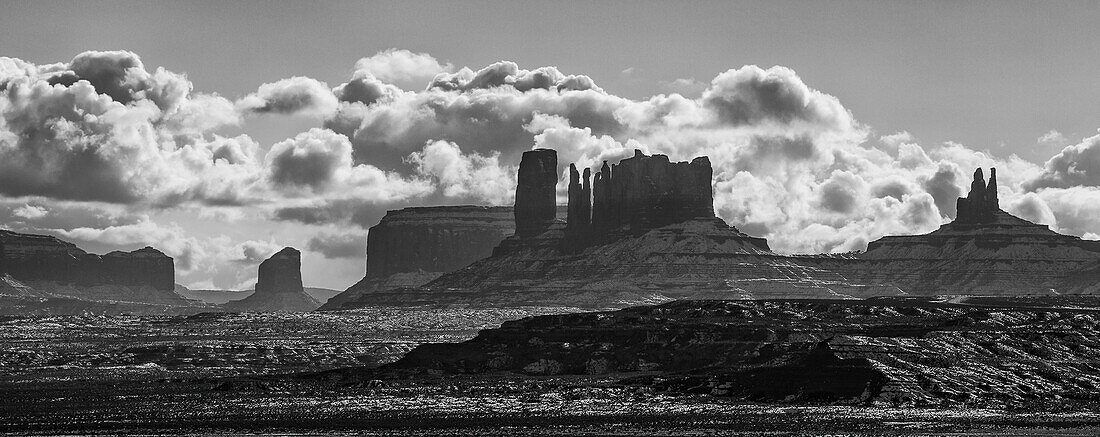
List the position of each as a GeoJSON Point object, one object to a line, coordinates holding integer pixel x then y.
{"type": "Point", "coordinates": [535, 192]}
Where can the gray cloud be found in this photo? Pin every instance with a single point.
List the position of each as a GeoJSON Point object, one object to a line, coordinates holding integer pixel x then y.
{"type": "Point", "coordinates": [339, 245]}
{"type": "Point", "coordinates": [945, 188]}
{"type": "Point", "coordinates": [752, 95]}
{"type": "Point", "coordinates": [1076, 165]}
{"type": "Point", "coordinates": [291, 96]}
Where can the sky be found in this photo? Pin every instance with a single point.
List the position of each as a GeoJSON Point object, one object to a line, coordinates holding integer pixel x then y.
{"type": "Point", "coordinates": [221, 132]}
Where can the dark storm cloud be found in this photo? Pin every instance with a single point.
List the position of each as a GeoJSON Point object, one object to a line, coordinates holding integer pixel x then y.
{"type": "Point", "coordinates": [339, 245]}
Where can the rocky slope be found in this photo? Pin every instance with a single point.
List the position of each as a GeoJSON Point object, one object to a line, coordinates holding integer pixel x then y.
{"type": "Point", "coordinates": [278, 286]}
{"type": "Point", "coordinates": [697, 258]}
{"type": "Point", "coordinates": [889, 351]}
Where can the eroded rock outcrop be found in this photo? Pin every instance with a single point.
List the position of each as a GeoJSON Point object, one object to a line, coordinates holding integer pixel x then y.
{"type": "Point", "coordinates": [535, 193]}
{"type": "Point", "coordinates": [278, 286]}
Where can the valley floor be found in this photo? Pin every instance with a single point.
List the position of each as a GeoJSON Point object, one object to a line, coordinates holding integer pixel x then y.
{"type": "Point", "coordinates": [313, 374]}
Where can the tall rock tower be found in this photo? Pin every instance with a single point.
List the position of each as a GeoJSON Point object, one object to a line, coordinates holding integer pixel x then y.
{"type": "Point", "coordinates": [981, 202]}
{"type": "Point", "coordinates": [535, 199]}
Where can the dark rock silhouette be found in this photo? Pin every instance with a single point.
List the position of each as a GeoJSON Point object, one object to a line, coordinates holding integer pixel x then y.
{"type": "Point", "coordinates": [983, 251]}
{"type": "Point", "coordinates": [278, 286]}
{"type": "Point", "coordinates": [412, 246]}
{"type": "Point", "coordinates": [579, 218]}
{"type": "Point", "coordinates": [981, 203]}
{"type": "Point", "coordinates": [884, 351]}
{"type": "Point", "coordinates": [535, 198]}
{"type": "Point", "coordinates": [281, 273]}
{"type": "Point", "coordinates": [30, 257]}
{"type": "Point", "coordinates": [647, 192]}
{"type": "Point", "coordinates": [435, 239]}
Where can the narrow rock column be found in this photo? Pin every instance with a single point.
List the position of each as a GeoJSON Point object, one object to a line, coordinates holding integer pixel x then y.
{"type": "Point", "coordinates": [535, 199]}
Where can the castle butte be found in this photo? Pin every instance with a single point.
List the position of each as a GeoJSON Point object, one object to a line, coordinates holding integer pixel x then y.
{"type": "Point", "coordinates": [644, 230]}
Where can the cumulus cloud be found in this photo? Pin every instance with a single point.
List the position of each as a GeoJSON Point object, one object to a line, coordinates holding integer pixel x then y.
{"type": "Point", "coordinates": [30, 212]}
{"type": "Point", "coordinates": [293, 95]}
{"type": "Point", "coordinates": [344, 245]}
{"type": "Point", "coordinates": [1075, 165]}
{"type": "Point", "coordinates": [254, 252]}
{"type": "Point", "coordinates": [402, 67]}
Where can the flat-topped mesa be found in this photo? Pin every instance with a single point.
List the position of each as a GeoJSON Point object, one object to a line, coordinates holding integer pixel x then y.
{"type": "Point", "coordinates": [535, 193]}
{"type": "Point", "coordinates": [281, 273]}
{"type": "Point", "coordinates": [980, 205]}
{"type": "Point", "coordinates": [647, 192]}
{"type": "Point", "coordinates": [43, 258]}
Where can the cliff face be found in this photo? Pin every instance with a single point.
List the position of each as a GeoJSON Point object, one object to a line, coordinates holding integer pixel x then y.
{"type": "Point", "coordinates": [435, 239]}
{"type": "Point", "coordinates": [412, 246]}
{"type": "Point", "coordinates": [278, 286]}
{"type": "Point", "coordinates": [648, 192]}
{"type": "Point", "coordinates": [31, 258]}
{"type": "Point", "coordinates": [535, 193]}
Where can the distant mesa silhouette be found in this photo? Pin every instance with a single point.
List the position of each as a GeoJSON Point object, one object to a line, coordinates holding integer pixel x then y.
{"type": "Point", "coordinates": [278, 286]}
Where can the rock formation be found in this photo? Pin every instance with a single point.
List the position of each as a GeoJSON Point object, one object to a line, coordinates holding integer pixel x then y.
{"type": "Point", "coordinates": [889, 352]}
{"type": "Point", "coordinates": [278, 286]}
{"type": "Point", "coordinates": [535, 194]}
{"type": "Point", "coordinates": [41, 274]}
{"type": "Point", "coordinates": [980, 205]}
{"type": "Point", "coordinates": [579, 217]}
{"type": "Point", "coordinates": [435, 239]}
{"type": "Point", "coordinates": [30, 257]}
{"type": "Point", "coordinates": [983, 251]}
{"type": "Point", "coordinates": [412, 246]}
{"type": "Point", "coordinates": [652, 237]}
{"type": "Point", "coordinates": [647, 192]}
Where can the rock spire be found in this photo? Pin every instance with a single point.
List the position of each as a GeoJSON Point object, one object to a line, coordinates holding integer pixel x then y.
{"type": "Point", "coordinates": [535, 197]}
{"type": "Point", "coordinates": [981, 202]}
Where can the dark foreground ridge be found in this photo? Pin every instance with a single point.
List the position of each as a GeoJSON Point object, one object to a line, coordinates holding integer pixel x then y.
{"type": "Point", "coordinates": [1034, 353]}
